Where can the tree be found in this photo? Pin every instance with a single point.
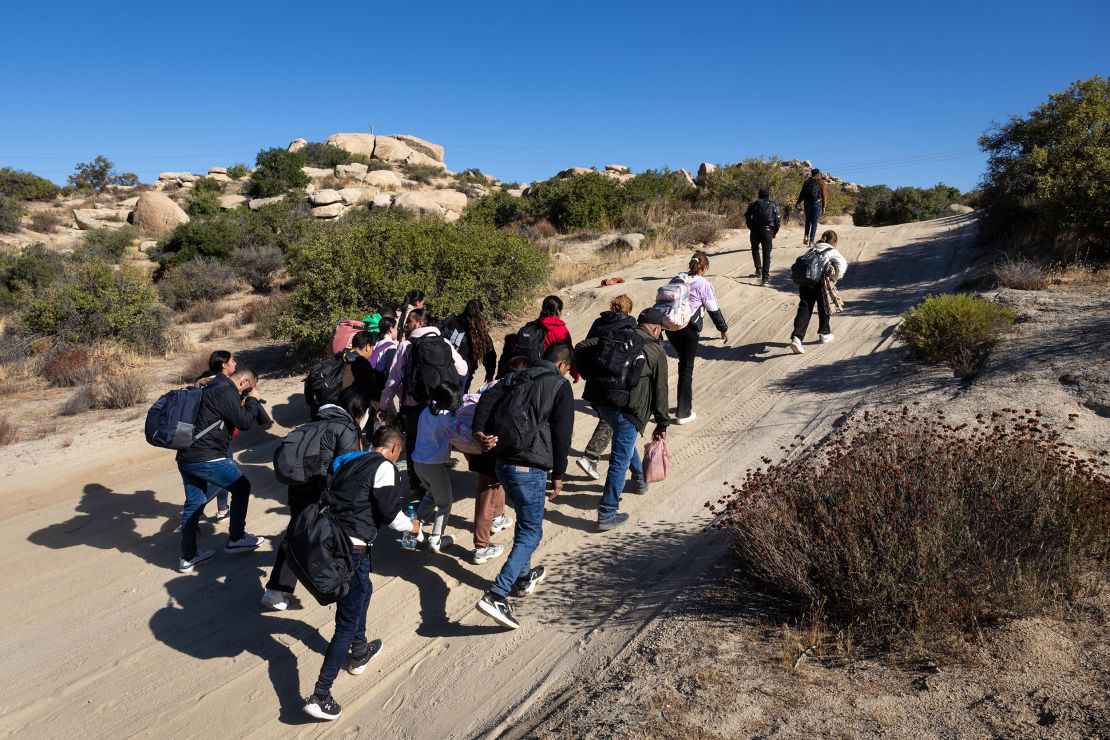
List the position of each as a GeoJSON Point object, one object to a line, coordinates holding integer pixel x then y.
{"type": "Point", "coordinates": [98, 174]}
{"type": "Point", "coordinates": [277, 171]}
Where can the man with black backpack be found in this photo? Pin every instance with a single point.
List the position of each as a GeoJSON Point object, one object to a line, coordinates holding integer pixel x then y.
{"type": "Point", "coordinates": [526, 422]}
{"type": "Point", "coordinates": [626, 381]}
{"type": "Point", "coordinates": [814, 196]}
{"type": "Point", "coordinates": [424, 360]}
{"type": "Point", "coordinates": [762, 218]}
{"type": "Point", "coordinates": [345, 368]}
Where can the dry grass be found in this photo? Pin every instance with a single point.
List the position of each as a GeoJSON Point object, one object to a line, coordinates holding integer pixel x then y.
{"type": "Point", "coordinates": [9, 431]}
{"type": "Point", "coordinates": [220, 330]}
{"type": "Point", "coordinates": [193, 366]}
{"type": "Point", "coordinates": [203, 312]}
{"type": "Point", "coordinates": [15, 379]}
{"type": "Point", "coordinates": [66, 441]}
{"type": "Point", "coordinates": [44, 428]}
{"type": "Point", "coordinates": [66, 367]}
{"type": "Point", "coordinates": [81, 401]}
{"type": "Point", "coordinates": [570, 272]}
{"type": "Point", "coordinates": [122, 389]}
{"type": "Point", "coordinates": [1021, 273]}
{"type": "Point", "coordinates": [1081, 276]}
{"type": "Point", "coordinates": [46, 222]}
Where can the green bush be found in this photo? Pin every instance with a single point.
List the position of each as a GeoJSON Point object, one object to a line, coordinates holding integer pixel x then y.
{"type": "Point", "coordinates": [197, 281]}
{"type": "Point", "coordinates": [26, 185]}
{"type": "Point", "coordinates": [377, 258]}
{"type": "Point", "coordinates": [98, 174]}
{"type": "Point", "coordinates": [97, 301]}
{"type": "Point", "coordinates": [237, 171]}
{"type": "Point", "coordinates": [655, 186]}
{"type": "Point", "coordinates": [203, 202]}
{"type": "Point", "coordinates": [286, 225]}
{"type": "Point", "coordinates": [958, 330]}
{"type": "Point", "coordinates": [588, 201]}
{"type": "Point", "coordinates": [259, 266]}
{"type": "Point", "coordinates": [326, 156]}
{"type": "Point", "coordinates": [730, 189]}
{"type": "Point", "coordinates": [872, 205]}
{"type": "Point", "coordinates": [276, 171]}
{"type": "Point", "coordinates": [878, 204]}
{"type": "Point", "coordinates": [1048, 174]}
{"type": "Point", "coordinates": [107, 244]}
{"type": "Point", "coordinates": [215, 237]}
{"type": "Point", "coordinates": [422, 172]}
{"type": "Point", "coordinates": [11, 214]}
{"type": "Point", "coordinates": [473, 175]}
{"type": "Point", "coordinates": [27, 273]}
{"type": "Point", "coordinates": [496, 209]}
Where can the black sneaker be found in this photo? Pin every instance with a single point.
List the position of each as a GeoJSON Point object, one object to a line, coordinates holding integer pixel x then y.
{"type": "Point", "coordinates": [356, 665]}
{"type": "Point", "coordinates": [527, 584]}
{"type": "Point", "coordinates": [496, 608]}
{"type": "Point", "coordinates": [326, 708]}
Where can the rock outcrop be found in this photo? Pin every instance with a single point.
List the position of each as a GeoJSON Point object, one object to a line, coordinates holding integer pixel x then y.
{"type": "Point", "coordinates": [297, 144]}
{"type": "Point", "coordinates": [155, 214]}
{"type": "Point", "coordinates": [704, 171]}
{"type": "Point", "coordinates": [400, 149]}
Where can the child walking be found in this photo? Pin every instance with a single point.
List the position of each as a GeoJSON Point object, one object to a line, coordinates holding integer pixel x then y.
{"type": "Point", "coordinates": [432, 453]}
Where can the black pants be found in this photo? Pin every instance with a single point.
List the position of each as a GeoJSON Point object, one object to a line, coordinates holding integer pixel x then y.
{"type": "Point", "coordinates": [282, 577]}
{"type": "Point", "coordinates": [411, 417]}
{"type": "Point", "coordinates": [685, 343]}
{"type": "Point", "coordinates": [761, 238]}
{"type": "Point", "coordinates": [808, 297]}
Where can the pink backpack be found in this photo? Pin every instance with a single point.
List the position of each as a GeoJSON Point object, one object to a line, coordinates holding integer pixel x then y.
{"type": "Point", "coordinates": [344, 332]}
{"type": "Point", "coordinates": [461, 432]}
{"type": "Point", "coordinates": [657, 461]}
{"type": "Point", "coordinates": [673, 300]}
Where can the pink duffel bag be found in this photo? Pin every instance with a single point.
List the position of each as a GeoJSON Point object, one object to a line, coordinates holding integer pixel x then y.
{"type": "Point", "coordinates": [657, 461]}
{"type": "Point", "coordinates": [344, 333]}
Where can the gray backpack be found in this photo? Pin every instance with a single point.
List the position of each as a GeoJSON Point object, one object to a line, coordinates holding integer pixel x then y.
{"type": "Point", "coordinates": [807, 268]}
{"type": "Point", "coordinates": [298, 458]}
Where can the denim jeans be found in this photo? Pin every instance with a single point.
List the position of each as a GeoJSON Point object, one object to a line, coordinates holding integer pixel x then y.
{"type": "Point", "coordinates": [623, 456]}
{"type": "Point", "coordinates": [197, 477]}
{"type": "Point", "coordinates": [813, 215]}
{"type": "Point", "coordinates": [350, 623]}
{"type": "Point", "coordinates": [527, 489]}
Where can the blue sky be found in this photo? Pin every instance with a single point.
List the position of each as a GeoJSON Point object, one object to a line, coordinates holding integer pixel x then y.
{"type": "Point", "coordinates": [873, 92]}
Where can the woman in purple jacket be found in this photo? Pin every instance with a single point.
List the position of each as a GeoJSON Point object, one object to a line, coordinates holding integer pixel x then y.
{"type": "Point", "coordinates": [703, 299]}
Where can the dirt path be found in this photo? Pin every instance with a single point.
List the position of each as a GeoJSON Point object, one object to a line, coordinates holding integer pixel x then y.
{"type": "Point", "coordinates": [101, 638]}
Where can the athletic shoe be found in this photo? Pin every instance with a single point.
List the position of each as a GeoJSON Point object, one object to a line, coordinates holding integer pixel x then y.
{"type": "Point", "coordinates": [754, 274]}
{"type": "Point", "coordinates": [526, 585]}
{"type": "Point", "coordinates": [185, 566]}
{"type": "Point", "coordinates": [687, 419]}
{"type": "Point", "coordinates": [496, 608]}
{"type": "Point", "coordinates": [438, 542]}
{"type": "Point", "coordinates": [639, 487]}
{"type": "Point", "coordinates": [326, 708]}
{"type": "Point", "coordinates": [356, 666]}
{"type": "Point", "coordinates": [764, 282]}
{"type": "Point", "coordinates": [805, 241]}
{"type": "Point", "coordinates": [489, 552]}
{"type": "Point", "coordinates": [589, 467]}
{"type": "Point", "coordinates": [604, 524]}
{"type": "Point", "coordinates": [244, 543]}
{"type": "Point", "coordinates": [275, 600]}
{"type": "Point", "coordinates": [796, 346]}
{"type": "Point", "coordinates": [500, 523]}
{"type": "Point", "coordinates": [825, 338]}
{"type": "Point", "coordinates": [221, 514]}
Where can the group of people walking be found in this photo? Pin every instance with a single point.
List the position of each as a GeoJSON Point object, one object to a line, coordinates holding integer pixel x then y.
{"type": "Point", "coordinates": [396, 399]}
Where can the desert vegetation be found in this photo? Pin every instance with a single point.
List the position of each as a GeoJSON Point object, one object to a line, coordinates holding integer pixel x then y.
{"type": "Point", "coordinates": [877, 205]}
{"type": "Point", "coordinates": [958, 330]}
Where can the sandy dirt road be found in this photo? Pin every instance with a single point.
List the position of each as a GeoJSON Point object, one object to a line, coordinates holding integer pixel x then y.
{"type": "Point", "coordinates": [101, 638]}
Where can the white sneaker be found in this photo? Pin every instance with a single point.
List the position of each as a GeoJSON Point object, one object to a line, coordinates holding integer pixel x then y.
{"type": "Point", "coordinates": [500, 523]}
{"type": "Point", "coordinates": [275, 600]}
{"type": "Point", "coordinates": [589, 467]}
{"type": "Point", "coordinates": [482, 554]}
{"type": "Point", "coordinates": [796, 346]}
{"type": "Point", "coordinates": [185, 566]}
{"type": "Point", "coordinates": [687, 419]}
{"type": "Point", "coordinates": [825, 338]}
{"type": "Point", "coordinates": [438, 542]}
{"type": "Point", "coordinates": [244, 543]}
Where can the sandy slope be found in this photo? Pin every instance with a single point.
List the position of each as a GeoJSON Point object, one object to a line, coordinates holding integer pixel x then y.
{"type": "Point", "coordinates": [101, 638]}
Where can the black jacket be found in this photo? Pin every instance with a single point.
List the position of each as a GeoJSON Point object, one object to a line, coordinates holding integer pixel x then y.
{"type": "Point", "coordinates": [455, 330]}
{"type": "Point", "coordinates": [362, 507]}
{"type": "Point", "coordinates": [554, 403]}
{"type": "Point", "coordinates": [221, 402]}
{"type": "Point", "coordinates": [650, 394]}
{"type": "Point", "coordinates": [753, 213]}
{"type": "Point", "coordinates": [341, 434]}
{"type": "Point", "coordinates": [608, 321]}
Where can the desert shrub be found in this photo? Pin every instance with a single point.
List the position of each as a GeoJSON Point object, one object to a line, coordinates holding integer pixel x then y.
{"type": "Point", "coordinates": [46, 222]}
{"type": "Point", "coordinates": [213, 237]}
{"type": "Point", "coordinates": [276, 171]}
{"type": "Point", "coordinates": [911, 532]}
{"type": "Point", "coordinates": [655, 186]}
{"type": "Point", "coordinates": [237, 171]}
{"type": "Point", "coordinates": [318, 154]}
{"type": "Point", "coordinates": [29, 272]}
{"type": "Point", "coordinates": [9, 431]}
{"type": "Point", "coordinates": [872, 205]}
{"type": "Point", "coordinates": [98, 300]}
{"type": "Point", "coordinates": [107, 244]}
{"type": "Point", "coordinates": [587, 201]}
{"type": "Point", "coordinates": [475, 176]}
{"type": "Point", "coordinates": [206, 185]}
{"type": "Point", "coordinates": [23, 185]}
{"type": "Point", "coordinates": [377, 164]}
{"type": "Point", "coordinates": [11, 214]}
{"type": "Point", "coordinates": [65, 366]}
{"type": "Point", "coordinates": [703, 232]}
{"type": "Point", "coordinates": [1048, 173]}
{"type": "Point", "coordinates": [422, 172]}
{"type": "Point", "coordinates": [264, 315]}
{"type": "Point", "coordinates": [259, 266]}
{"type": "Point", "coordinates": [203, 202]}
{"type": "Point", "coordinates": [496, 209]}
{"type": "Point", "coordinates": [377, 258]}
{"type": "Point", "coordinates": [1021, 273]}
{"type": "Point", "coordinates": [98, 175]}
{"type": "Point", "coordinates": [878, 204]}
{"type": "Point", "coordinates": [121, 389]}
{"type": "Point", "coordinates": [199, 280]}
{"type": "Point", "coordinates": [220, 330]}
{"type": "Point", "coordinates": [285, 225]}
{"type": "Point", "coordinates": [82, 400]}
{"type": "Point", "coordinates": [193, 366]}
{"type": "Point", "coordinates": [202, 312]}
{"type": "Point", "coordinates": [958, 330]}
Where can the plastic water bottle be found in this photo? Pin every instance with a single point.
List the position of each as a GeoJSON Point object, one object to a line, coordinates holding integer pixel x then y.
{"type": "Point", "coordinates": [408, 541]}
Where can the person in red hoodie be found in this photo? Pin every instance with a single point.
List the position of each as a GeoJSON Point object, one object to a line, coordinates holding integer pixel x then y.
{"type": "Point", "coordinates": [555, 329]}
{"type": "Point", "coordinates": [536, 336]}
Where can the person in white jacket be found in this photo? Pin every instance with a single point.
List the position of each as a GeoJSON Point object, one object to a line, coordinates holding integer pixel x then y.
{"type": "Point", "coordinates": [810, 296]}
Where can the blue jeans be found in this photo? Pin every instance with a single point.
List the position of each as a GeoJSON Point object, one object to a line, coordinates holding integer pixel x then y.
{"type": "Point", "coordinates": [197, 478]}
{"type": "Point", "coordinates": [526, 488]}
{"type": "Point", "coordinates": [218, 493]}
{"type": "Point", "coordinates": [813, 215]}
{"type": "Point", "coordinates": [625, 455]}
{"type": "Point", "coordinates": [350, 623]}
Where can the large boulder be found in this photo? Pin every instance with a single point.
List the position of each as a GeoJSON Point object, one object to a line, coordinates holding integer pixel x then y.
{"type": "Point", "coordinates": [572, 171]}
{"type": "Point", "coordinates": [384, 179]}
{"type": "Point", "coordinates": [317, 173]}
{"type": "Point", "coordinates": [420, 203]}
{"type": "Point", "coordinates": [382, 200]}
{"type": "Point", "coordinates": [353, 143]}
{"type": "Point", "coordinates": [155, 214]}
{"type": "Point", "coordinates": [703, 172]}
{"type": "Point", "coordinates": [427, 148]}
{"type": "Point", "coordinates": [618, 168]}
{"type": "Point", "coordinates": [684, 177]}
{"type": "Point", "coordinates": [349, 171]}
{"type": "Point", "coordinates": [228, 202]}
{"type": "Point", "coordinates": [391, 149]}
{"type": "Point", "coordinates": [628, 241]}
{"type": "Point", "coordinates": [257, 203]}
{"type": "Point", "coordinates": [325, 197]}
{"type": "Point", "coordinates": [473, 190]}
{"type": "Point", "coordinates": [297, 144]}
{"type": "Point", "coordinates": [217, 170]}
{"type": "Point", "coordinates": [99, 218]}
{"type": "Point", "coordinates": [332, 210]}
{"type": "Point", "coordinates": [450, 200]}
{"type": "Point", "coordinates": [355, 196]}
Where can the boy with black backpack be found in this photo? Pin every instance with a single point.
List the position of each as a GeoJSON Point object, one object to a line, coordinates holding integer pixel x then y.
{"type": "Point", "coordinates": [345, 368]}
{"type": "Point", "coordinates": [813, 271]}
{"type": "Point", "coordinates": [762, 218]}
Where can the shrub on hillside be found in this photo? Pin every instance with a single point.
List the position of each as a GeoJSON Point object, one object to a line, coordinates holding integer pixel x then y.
{"type": "Point", "coordinates": [958, 330]}
{"type": "Point", "coordinates": [475, 176]}
{"type": "Point", "coordinates": [203, 202]}
{"type": "Point", "coordinates": [326, 156]}
{"type": "Point", "coordinates": [1048, 174]}
{"type": "Point", "coordinates": [199, 280]}
{"type": "Point", "coordinates": [587, 201]}
{"type": "Point", "coordinates": [276, 171]}
{"type": "Point", "coordinates": [98, 300]}
{"type": "Point", "coordinates": [376, 259]}
{"type": "Point", "coordinates": [237, 171]}
{"type": "Point", "coordinates": [65, 366]}
{"type": "Point", "coordinates": [26, 185]}
{"type": "Point", "coordinates": [11, 214]}
{"type": "Point", "coordinates": [214, 237]}
{"type": "Point", "coordinates": [1021, 273]}
{"type": "Point", "coordinates": [25, 274]}
{"type": "Point", "coordinates": [107, 244]}
{"type": "Point", "coordinates": [424, 173]}
{"type": "Point", "coordinates": [878, 204]}
{"type": "Point", "coordinates": [9, 431]}
{"type": "Point", "coordinates": [286, 225]}
{"type": "Point", "coordinates": [910, 532]}
{"type": "Point", "coordinates": [121, 389]}
{"type": "Point", "coordinates": [258, 266]}
{"type": "Point", "coordinates": [496, 209]}
{"type": "Point", "coordinates": [98, 175]}
{"type": "Point", "coordinates": [46, 222]}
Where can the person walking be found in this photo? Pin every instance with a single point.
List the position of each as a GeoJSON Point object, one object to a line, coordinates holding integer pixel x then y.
{"type": "Point", "coordinates": [220, 362]}
{"type": "Point", "coordinates": [619, 315]}
{"type": "Point", "coordinates": [685, 340]}
{"type": "Point", "coordinates": [339, 428]}
{"type": "Point", "coordinates": [350, 366]}
{"type": "Point", "coordinates": [381, 359]}
{"type": "Point", "coordinates": [527, 457]}
{"type": "Point", "coordinates": [431, 455]}
{"type": "Point", "coordinates": [535, 337]}
{"type": "Point", "coordinates": [762, 218]}
{"type": "Point", "coordinates": [363, 498]}
{"type": "Point", "coordinates": [607, 358]}
{"type": "Point", "coordinates": [814, 196]}
{"type": "Point", "coordinates": [468, 333]}
{"type": "Point", "coordinates": [414, 299]}
{"type": "Point", "coordinates": [833, 266]}
{"type": "Point", "coordinates": [228, 402]}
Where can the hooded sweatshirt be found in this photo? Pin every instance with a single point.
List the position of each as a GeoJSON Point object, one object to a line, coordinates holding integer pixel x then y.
{"type": "Point", "coordinates": [400, 369]}
{"type": "Point", "coordinates": [555, 330]}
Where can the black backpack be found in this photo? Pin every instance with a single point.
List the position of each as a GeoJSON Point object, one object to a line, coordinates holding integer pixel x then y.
{"type": "Point", "coordinates": [530, 341]}
{"type": "Point", "coordinates": [319, 552]}
{"type": "Point", "coordinates": [807, 269]}
{"type": "Point", "coordinates": [612, 367]}
{"type": "Point", "coordinates": [431, 364]}
{"type": "Point", "coordinates": [763, 214]}
{"type": "Point", "coordinates": [811, 191]}
{"type": "Point", "coordinates": [298, 457]}
{"type": "Point", "coordinates": [379, 375]}
{"type": "Point", "coordinates": [325, 381]}
{"type": "Point", "coordinates": [517, 418]}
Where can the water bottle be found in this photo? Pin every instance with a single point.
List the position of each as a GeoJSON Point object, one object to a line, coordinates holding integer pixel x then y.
{"type": "Point", "coordinates": [408, 541]}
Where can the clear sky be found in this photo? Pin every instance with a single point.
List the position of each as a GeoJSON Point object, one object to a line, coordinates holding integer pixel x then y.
{"type": "Point", "coordinates": [893, 91]}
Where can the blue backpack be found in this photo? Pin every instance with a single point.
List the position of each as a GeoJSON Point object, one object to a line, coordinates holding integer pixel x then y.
{"type": "Point", "coordinates": [171, 421]}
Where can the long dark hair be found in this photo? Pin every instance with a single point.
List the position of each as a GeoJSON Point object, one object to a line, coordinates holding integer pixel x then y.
{"type": "Point", "coordinates": [477, 331]}
{"type": "Point", "coordinates": [445, 397]}
{"type": "Point", "coordinates": [552, 306]}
